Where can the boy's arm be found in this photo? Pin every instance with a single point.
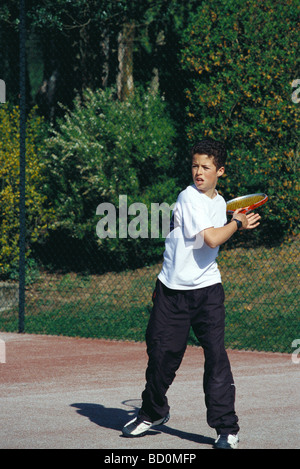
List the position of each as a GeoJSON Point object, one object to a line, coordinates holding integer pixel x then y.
{"type": "Point", "coordinates": [214, 237]}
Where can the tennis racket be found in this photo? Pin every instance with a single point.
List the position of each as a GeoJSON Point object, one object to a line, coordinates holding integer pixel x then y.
{"type": "Point", "coordinates": [246, 202]}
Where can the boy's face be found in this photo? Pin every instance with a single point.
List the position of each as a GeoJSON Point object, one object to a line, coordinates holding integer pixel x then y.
{"type": "Point", "coordinates": [205, 174]}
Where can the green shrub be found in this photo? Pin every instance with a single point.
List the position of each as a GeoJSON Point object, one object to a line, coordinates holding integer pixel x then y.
{"type": "Point", "coordinates": [37, 217]}
{"type": "Point", "coordinates": [243, 58]}
{"type": "Point", "coordinates": [102, 149]}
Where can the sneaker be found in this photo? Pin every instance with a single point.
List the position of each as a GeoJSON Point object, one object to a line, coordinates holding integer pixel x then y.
{"type": "Point", "coordinates": [139, 427]}
{"type": "Point", "coordinates": [226, 442]}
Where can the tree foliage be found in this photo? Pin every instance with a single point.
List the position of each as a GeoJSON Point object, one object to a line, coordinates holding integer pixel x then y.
{"type": "Point", "coordinates": [105, 148]}
{"type": "Point", "coordinates": [243, 58]}
{"type": "Point", "coordinates": [225, 68]}
{"type": "Point", "coordinates": [37, 216]}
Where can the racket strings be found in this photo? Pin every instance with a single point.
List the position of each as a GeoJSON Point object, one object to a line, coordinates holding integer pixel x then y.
{"type": "Point", "coordinates": [245, 202]}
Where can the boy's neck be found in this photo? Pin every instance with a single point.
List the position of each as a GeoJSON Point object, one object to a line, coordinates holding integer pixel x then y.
{"type": "Point", "coordinates": [212, 193]}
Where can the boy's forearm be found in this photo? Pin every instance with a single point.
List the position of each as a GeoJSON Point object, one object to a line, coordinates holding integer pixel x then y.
{"type": "Point", "coordinates": [214, 237]}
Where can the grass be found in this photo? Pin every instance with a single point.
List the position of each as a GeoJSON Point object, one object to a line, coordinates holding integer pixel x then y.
{"type": "Point", "coordinates": [262, 297]}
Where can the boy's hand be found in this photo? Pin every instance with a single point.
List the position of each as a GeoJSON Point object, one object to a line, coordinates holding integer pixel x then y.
{"type": "Point", "coordinates": [249, 220]}
{"type": "Point", "coordinates": [214, 237]}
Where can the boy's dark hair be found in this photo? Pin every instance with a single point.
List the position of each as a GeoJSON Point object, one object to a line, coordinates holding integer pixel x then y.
{"type": "Point", "coordinates": [211, 148]}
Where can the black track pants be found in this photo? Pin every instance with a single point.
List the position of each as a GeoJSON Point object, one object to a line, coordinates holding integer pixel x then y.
{"type": "Point", "coordinates": [173, 313]}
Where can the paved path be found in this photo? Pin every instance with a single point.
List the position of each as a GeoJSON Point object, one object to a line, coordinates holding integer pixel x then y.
{"type": "Point", "coordinates": [58, 392]}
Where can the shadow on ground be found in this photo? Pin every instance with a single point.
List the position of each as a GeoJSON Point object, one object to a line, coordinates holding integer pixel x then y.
{"type": "Point", "coordinates": [115, 418]}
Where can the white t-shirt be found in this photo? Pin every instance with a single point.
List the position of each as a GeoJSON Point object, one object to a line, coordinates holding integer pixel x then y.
{"type": "Point", "coordinates": [189, 263]}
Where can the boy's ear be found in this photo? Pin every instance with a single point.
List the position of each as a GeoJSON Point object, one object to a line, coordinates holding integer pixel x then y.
{"type": "Point", "coordinates": [221, 171]}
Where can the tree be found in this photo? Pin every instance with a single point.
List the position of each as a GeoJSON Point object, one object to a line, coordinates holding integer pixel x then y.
{"type": "Point", "coordinates": [9, 51]}
{"type": "Point", "coordinates": [102, 149]}
{"type": "Point", "coordinates": [95, 44]}
{"type": "Point", "coordinates": [86, 44]}
{"type": "Point", "coordinates": [242, 57]}
{"type": "Point", "coordinates": [38, 217]}
{"type": "Point", "coordinates": [125, 57]}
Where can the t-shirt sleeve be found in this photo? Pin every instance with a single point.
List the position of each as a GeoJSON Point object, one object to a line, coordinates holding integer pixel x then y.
{"type": "Point", "coordinates": [191, 215]}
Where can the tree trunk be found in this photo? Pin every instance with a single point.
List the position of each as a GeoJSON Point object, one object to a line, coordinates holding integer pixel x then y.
{"type": "Point", "coordinates": [105, 49]}
{"type": "Point", "coordinates": [125, 58]}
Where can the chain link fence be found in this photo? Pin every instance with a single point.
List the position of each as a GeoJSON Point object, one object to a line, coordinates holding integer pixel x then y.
{"type": "Point", "coordinates": [75, 284]}
{"type": "Point", "coordinates": [261, 286]}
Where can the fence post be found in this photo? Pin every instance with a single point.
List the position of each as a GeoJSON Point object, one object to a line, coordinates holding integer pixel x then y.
{"type": "Point", "coordinates": [22, 216]}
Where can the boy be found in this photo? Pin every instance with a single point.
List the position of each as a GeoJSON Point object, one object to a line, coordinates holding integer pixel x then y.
{"type": "Point", "coordinates": [189, 293]}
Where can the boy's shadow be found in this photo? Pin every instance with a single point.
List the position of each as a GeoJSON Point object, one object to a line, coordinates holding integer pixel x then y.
{"type": "Point", "coordinates": [116, 418]}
